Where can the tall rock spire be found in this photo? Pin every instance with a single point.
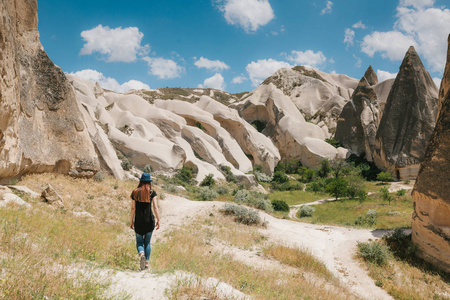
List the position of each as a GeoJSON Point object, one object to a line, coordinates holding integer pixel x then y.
{"type": "Point", "coordinates": [408, 119]}
{"type": "Point", "coordinates": [431, 194]}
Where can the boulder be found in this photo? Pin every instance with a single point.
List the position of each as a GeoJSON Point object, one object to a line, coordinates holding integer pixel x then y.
{"type": "Point", "coordinates": [52, 197]}
{"type": "Point", "coordinates": [431, 194]}
{"type": "Point", "coordinates": [408, 120]}
{"type": "Point", "coordinates": [41, 127]}
{"type": "Point", "coordinates": [7, 198]}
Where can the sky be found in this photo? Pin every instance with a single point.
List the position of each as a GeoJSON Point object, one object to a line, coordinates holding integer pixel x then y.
{"type": "Point", "coordinates": [233, 45]}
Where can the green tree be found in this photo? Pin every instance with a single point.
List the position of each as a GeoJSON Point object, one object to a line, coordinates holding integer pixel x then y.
{"type": "Point", "coordinates": [280, 177]}
{"type": "Point", "coordinates": [185, 174]}
{"type": "Point", "coordinates": [325, 168]}
{"type": "Point", "coordinates": [356, 186]}
{"type": "Point", "coordinates": [384, 177]}
{"type": "Point", "coordinates": [208, 180]}
{"type": "Point", "coordinates": [337, 187]}
{"type": "Point", "coordinates": [340, 167]}
{"type": "Point", "coordinates": [385, 195]}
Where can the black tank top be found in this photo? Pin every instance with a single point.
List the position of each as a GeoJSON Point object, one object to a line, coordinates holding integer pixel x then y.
{"type": "Point", "coordinates": [144, 221]}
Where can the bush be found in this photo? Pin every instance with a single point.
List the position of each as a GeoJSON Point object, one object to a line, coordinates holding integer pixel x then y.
{"type": "Point", "coordinates": [368, 169]}
{"type": "Point", "coordinates": [325, 168]}
{"type": "Point", "coordinates": [222, 190]}
{"type": "Point", "coordinates": [206, 194]}
{"type": "Point", "coordinates": [406, 181]}
{"type": "Point", "coordinates": [287, 186]}
{"type": "Point", "coordinates": [228, 174]}
{"type": "Point", "coordinates": [280, 177]}
{"type": "Point", "coordinates": [374, 252]}
{"type": "Point", "coordinates": [261, 177]}
{"type": "Point", "coordinates": [255, 199]}
{"type": "Point", "coordinates": [208, 180]}
{"type": "Point", "coordinates": [307, 175]}
{"type": "Point", "coordinates": [384, 176]}
{"type": "Point", "coordinates": [126, 164]}
{"type": "Point", "coordinates": [337, 187]}
{"type": "Point", "coordinates": [280, 205]}
{"type": "Point", "coordinates": [385, 195]}
{"type": "Point", "coordinates": [258, 168]}
{"type": "Point", "coordinates": [99, 177]}
{"type": "Point", "coordinates": [333, 142]}
{"type": "Point", "coordinates": [185, 175]}
{"type": "Point", "coordinates": [242, 214]}
{"type": "Point", "coordinates": [306, 211]}
{"type": "Point", "coordinates": [401, 192]}
{"type": "Point", "coordinates": [170, 188]}
{"type": "Point", "coordinates": [401, 244]}
{"type": "Point", "coordinates": [147, 169]}
{"type": "Point", "coordinates": [288, 166]}
{"type": "Point", "coordinates": [369, 219]}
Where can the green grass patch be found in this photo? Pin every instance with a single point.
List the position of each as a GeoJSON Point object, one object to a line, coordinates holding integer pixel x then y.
{"type": "Point", "coordinates": [297, 197]}
{"type": "Point", "coordinates": [345, 212]}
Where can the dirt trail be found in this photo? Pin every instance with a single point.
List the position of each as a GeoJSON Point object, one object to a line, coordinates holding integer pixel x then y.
{"type": "Point", "coordinates": [335, 246]}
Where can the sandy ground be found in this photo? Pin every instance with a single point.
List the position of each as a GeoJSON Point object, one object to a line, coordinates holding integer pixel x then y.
{"type": "Point", "coordinates": [335, 246]}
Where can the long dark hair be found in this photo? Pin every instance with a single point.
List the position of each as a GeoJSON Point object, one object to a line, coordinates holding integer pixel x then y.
{"type": "Point", "coordinates": [142, 192]}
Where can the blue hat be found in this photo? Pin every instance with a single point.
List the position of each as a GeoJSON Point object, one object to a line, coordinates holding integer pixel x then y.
{"type": "Point", "coordinates": [146, 177]}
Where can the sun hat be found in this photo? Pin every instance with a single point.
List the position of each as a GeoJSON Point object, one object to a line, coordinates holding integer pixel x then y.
{"type": "Point", "coordinates": [146, 177]}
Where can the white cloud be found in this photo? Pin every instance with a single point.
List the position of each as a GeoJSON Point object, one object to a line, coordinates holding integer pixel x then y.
{"type": "Point", "coordinates": [384, 75]}
{"type": "Point", "coordinates": [216, 65]}
{"type": "Point", "coordinates": [163, 68]}
{"type": "Point", "coordinates": [308, 58]}
{"type": "Point", "coordinates": [214, 82]}
{"type": "Point", "coordinates": [358, 62]}
{"type": "Point", "coordinates": [263, 68]}
{"type": "Point", "coordinates": [108, 82]}
{"type": "Point", "coordinates": [359, 25]}
{"type": "Point", "coordinates": [391, 44]}
{"type": "Point", "coordinates": [328, 9]}
{"type": "Point", "coordinates": [114, 44]}
{"type": "Point", "coordinates": [417, 3]}
{"type": "Point", "coordinates": [437, 81]}
{"type": "Point", "coordinates": [424, 28]}
{"type": "Point", "coordinates": [349, 36]}
{"type": "Point", "coordinates": [248, 14]}
{"type": "Point", "coordinates": [239, 79]}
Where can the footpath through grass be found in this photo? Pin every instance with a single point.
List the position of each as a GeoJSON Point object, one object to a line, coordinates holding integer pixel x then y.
{"type": "Point", "coordinates": [345, 212]}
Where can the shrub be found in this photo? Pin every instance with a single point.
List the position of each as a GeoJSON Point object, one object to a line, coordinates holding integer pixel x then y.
{"type": "Point", "coordinates": [356, 186]}
{"type": "Point", "coordinates": [306, 211]}
{"type": "Point", "coordinates": [333, 142]}
{"type": "Point", "coordinates": [208, 180]}
{"type": "Point", "coordinates": [401, 192]}
{"type": "Point", "coordinates": [258, 168]}
{"type": "Point", "coordinates": [255, 199]}
{"type": "Point", "coordinates": [318, 185]}
{"type": "Point", "coordinates": [280, 177]}
{"type": "Point", "coordinates": [261, 177]}
{"type": "Point", "coordinates": [206, 194]}
{"type": "Point", "coordinates": [406, 182]}
{"type": "Point", "coordinates": [228, 174]}
{"type": "Point", "coordinates": [126, 164]}
{"type": "Point", "coordinates": [337, 187]}
{"type": "Point", "coordinates": [325, 168]}
{"type": "Point", "coordinates": [241, 195]}
{"type": "Point", "coordinates": [242, 214]}
{"type": "Point", "coordinates": [222, 190]}
{"type": "Point", "coordinates": [287, 186]}
{"type": "Point", "coordinates": [170, 188]}
{"type": "Point", "coordinates": [374, 252]}
{"type": "Point", "coordinates": [185, 174]}
{"type": "Point", "coordinates": [401, 244]}
{"type": "Point", "coordinates": [385, 195]}
{"type": "Point", "coordinates": [99, 177]}
{"type": "Point", "coordinates": [288, 166]}
{"type": "Point", "coordinates": [147, 169]}
{"type": "Point", "coordinates": [384, 176]}
{"type": "Point", "coordinates": [307, 175]}
{"type": "Point", "coordinates": [369, 219]}
{"type": "Point", "coordinates": [280, 205]}
{"type": "Point", "coordinates": [367, 169]}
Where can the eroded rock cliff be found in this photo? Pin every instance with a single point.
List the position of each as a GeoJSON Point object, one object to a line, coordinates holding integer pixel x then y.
{"type": "Point", "coordinates": [41, 127]}
{"type": "Point", "coordinates": [431, 194]}
{"type": "Point", "coordinates": [408, 120]}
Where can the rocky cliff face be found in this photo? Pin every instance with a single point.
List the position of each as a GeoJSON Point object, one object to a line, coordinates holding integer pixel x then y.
{"type": "Point", "coordinates": [431, 194]}
{"type": "Point", "coordinates": [41, 127]}
{"type": "Point", "coordinates": [408, 119]}
{"type": "Point", "coordinates": [358, 121]}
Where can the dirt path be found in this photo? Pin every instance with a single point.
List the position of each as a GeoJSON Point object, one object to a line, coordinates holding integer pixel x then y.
{"type": "Point", "coordinates": [335, 246]}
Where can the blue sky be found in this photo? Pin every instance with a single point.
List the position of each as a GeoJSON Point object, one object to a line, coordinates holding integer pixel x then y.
{"type": "Point", "coordinates": [235, 44]}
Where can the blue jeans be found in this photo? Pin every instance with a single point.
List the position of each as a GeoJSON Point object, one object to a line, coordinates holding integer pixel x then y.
{"type": "Point", "coordinates": [143, 244]}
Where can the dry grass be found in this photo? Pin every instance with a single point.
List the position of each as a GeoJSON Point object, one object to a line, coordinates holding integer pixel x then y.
{"type": "Point", "coordinates": [190, 249]}
{"type": "Point", "coordinates": [403, 281]}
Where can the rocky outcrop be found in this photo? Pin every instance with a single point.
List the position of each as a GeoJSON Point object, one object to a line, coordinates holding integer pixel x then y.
{"type": "Point", "coordinates": [41, 127]}
{"type": "Point", "coordinates": [431, 194]}
{"type": "Point", "coordinates": [408, 120]}
{"type": "Point", "coordinates": [358, 121]}
{"type": "Point", "coordinates": [278, 118]}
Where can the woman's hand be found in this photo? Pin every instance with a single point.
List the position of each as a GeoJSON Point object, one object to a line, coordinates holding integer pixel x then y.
{"type": "Point", "coordinates": [132, 225]}
{"type": "Point", "coordinates": [157, 225]}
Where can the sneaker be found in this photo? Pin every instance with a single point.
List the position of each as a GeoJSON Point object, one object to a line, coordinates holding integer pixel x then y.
{"type": "Point", "coordinates": [142, 262]}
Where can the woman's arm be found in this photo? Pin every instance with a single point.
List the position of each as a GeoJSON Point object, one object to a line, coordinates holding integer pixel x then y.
{"type": "Point", "coordinates": [156, 211]}
{"type": "Point", "coordinates": [133, 209]}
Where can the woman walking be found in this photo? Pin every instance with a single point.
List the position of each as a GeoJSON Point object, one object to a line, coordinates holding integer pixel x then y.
{"type": "Point", "coordinates": [144, 203]}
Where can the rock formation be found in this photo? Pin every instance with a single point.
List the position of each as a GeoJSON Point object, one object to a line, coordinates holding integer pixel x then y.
{"type": "Point", "coordinates": [431, 194]}
{"type": "Point", "coordinates": [41, 127]}
{"type": "Point", "coordinates": [408, 120]}
{"type": "Point", "coordinates": [358, 121]}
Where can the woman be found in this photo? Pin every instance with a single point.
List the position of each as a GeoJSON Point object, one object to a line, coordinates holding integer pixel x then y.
{"type": "Point", "coordinates": [142, 219]}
